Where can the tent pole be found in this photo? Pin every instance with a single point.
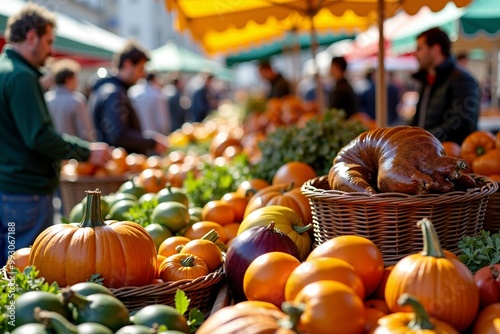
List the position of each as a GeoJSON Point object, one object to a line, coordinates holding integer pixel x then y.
{"type": "Point", "coordinates": [380, 87]}
{"type": "Point", "coordinates": [494, 75]}
{"type": "Point", "coordinates": [320, 98]}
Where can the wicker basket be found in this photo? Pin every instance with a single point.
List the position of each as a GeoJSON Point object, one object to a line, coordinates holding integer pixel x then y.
{"type": "Point", "coordinates": [73, 188]}
{"type": "Point", "coordinates": [389, 219]}
{"type": "Point", "coordinates": [492, 216]}
{"type": "Point", "coordinates": [202, 292]}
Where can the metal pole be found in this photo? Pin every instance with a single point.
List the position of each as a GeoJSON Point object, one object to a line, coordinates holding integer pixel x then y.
{"type": "Point", "coordinates": [380, 87]}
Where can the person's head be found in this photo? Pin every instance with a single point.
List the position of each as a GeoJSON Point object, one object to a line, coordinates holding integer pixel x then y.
{"type": "Point", "coordinates": [462, 58]}
{"type": "Point", "coordinates": [266, 70]}
{"type": "Point", "coordinates": [31, 33]}
{"type": "Point", "coordinates": [66, 73]}
{"type": "Point", "coordinates": [433, 47]}
{"type": "Point", "coordinates": [130, 62]}
{"type": "Point", "coordinates": [338, 67]}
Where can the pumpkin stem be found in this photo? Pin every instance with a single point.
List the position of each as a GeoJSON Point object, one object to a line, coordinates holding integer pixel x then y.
{"type": "Point", "coordinates": [55, 321]}
{"type": "Point", "coordinates": [289, 187]}
{"type": "Point", "coordinates": [294, 311]}
{"type": "Point", "coordinates": [432, 246]}
{"type": "Point", "coordinates": [302, 229]}
{"type": "Point", "coordinates": [92, 216]}
{"type": "Point", "coordinates": [188, 261]}
{"type": "Point", "coordinates": [70, 296]}
{"type": "Point", "coordinates": [212, 235]}
{"type": "Point", "coordinates": [250, 192]}
{"type": "Point", "coordinates": [421, 321]}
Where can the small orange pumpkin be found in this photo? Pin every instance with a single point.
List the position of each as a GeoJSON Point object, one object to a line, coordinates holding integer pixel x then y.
{"type": "Point", "coordinates": [182, 266]}
{"type": "Point", "coordinates": [476, 144]}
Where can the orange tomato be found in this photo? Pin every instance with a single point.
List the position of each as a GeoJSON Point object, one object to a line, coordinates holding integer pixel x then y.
{"type": "Point", "coordinates": [296, 172]}
{"type": "Point", "coordinates": [360, 252]}
{"type": "Point", "coordinates": [169, 245]}
{"type": "Point", "coordinates": [266, 277]}
{"type": "Point", "coordinates": [324, 268]}
{"type": "Point", "coordinates": [378, 304]}
{"type": "Point", "coordinates": [218, 211]}
{"type": "Point", "coordinates": [19, 259]}
{"type": "Point", "coordinates": [327, 303]}
{"type": "Point", "coordinates": [237, 202]}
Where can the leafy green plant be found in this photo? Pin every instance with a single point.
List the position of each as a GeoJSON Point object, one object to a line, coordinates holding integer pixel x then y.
{"type": "Point", "coordinates": [480, 250]}
{"type": "Point", "coordinates": [317, 143]}
{"type": "Point", "coordinates": [19, 283]}
{"type": "Point", "coordinates": [195, 317]}
{"type": "Point", "coordinates": [214, 180]}
{"type": "Point", "coordinates": [141, 212]}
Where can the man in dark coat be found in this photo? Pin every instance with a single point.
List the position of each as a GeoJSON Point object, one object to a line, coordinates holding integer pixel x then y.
{"type": "Point", "coordinates": [342, 96]}
{"type": "Point", "coordinates": [280, 87]}
{"type": "Point", "coordinates": [449, 102]}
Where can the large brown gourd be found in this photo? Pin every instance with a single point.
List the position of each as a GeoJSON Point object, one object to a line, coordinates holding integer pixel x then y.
{"type": "Point", "coordinates": [400, 159]}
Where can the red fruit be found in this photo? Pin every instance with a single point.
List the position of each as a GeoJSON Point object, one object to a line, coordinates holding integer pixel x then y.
{"type": "Point", "coordinates": [488, 283]}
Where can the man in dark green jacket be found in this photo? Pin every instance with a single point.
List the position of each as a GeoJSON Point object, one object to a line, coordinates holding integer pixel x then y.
{"type": "Point", "coordinates": [449, 101]}
{"type": "Point", "coordinates": [30, 148]}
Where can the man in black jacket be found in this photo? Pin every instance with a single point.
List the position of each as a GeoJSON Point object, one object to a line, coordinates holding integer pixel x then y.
{"type": "Point", "coordinates": [342, 96]}
{"type": "Point", "coordinates": [449, 101]}
{"type": "Point", "coordinates": [114, 116]}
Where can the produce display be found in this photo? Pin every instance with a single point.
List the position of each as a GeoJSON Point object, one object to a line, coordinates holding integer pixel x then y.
{"type": "Point", "coordinates": [217, 236]}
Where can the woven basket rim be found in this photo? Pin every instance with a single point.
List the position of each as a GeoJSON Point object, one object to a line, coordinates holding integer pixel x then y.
{"type": "Point", "coordinates": [185, 285]}
{"type": "Point", "coordinates": [310, 190]}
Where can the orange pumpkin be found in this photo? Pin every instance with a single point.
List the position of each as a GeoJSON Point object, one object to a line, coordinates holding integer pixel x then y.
{"type": "Point", "coordinates": [452, 149]}
{"type": "Point", "coordinates": [444, 286]}
{"type": "Point", "coordinates": [122, 252]}
{"type": "Point", "coordinates": [255, 320]}
{"type": "Point", "coordinates": [169, 246]}
{"type": "Point", "coordinates": [296, 172]}
{"type": "Point", "coordinates": [206, 249]}
{"type": "Point", "coordinates": [497, 140]}
{"type": "Point", "coordinates": [182, 266]}
{"type": "Point", "coordinates": [199, 229]}
{"type": "Point", "coordinates": [417, 321]}
{"type": "Point", "coordinates": [488, 163]}
{"type": "Point", "coordinates": [360, 252]}
{"type": "Point", "coordinates": [249, 187]}
{"type": "Point", "coordinates": [238, 202]}
{"type": "Point", "coordinates": [488, 320]}
{"type": "Point", "coordinates": [331, 308]}
{"type": "Point", "coordinates": [323, 269]}
{"type": "Point", "coordinates": [281, 194]}
{"type": "Point", "coordinates": [476, 144]}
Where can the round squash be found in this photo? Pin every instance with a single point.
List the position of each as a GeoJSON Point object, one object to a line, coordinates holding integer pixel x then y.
{"type": "Point", "coordinates": [286, 220]}
{"type": "Point", "coordinates": [122, 252]}
{"type": "Point", "coordinates": [284, 194]}
{"type": "Point", "coordinates": [444, 286]}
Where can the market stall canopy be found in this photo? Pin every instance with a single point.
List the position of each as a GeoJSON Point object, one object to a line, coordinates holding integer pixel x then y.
{"type": "Point", "coordinates": [291, 43]}
{"type": "Point", "coordinates": [174, 58]}
{"type": "Point", "coordinates": [74, 38]}
{"type": "Point", "coordinates": [482, 18]}
{"type": "Point", "coordinates": [203, 16]}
